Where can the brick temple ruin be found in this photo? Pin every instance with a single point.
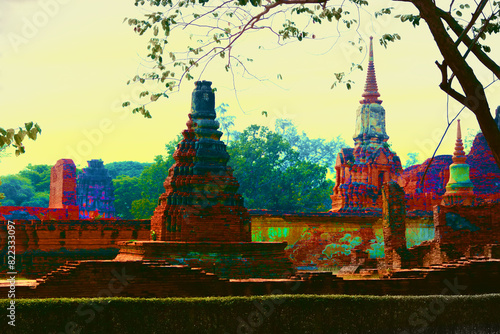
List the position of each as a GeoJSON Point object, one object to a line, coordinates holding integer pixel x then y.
{"type": "Point", "coordinates": [484, 174]}
{"type": "Point", "coordinates": [200, 219]}
{"type": "Point", "coordinates": [88, 196]}
{"type": "Point", "coordinates": [362, 170]}
{"type": "Point", "coordinates": [199, 240]}
{"type": "Point", "coordinates": [95, 191]}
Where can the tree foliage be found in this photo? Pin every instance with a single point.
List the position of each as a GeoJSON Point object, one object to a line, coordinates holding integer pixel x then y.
{"type": "Point", "coordinates": [39, 176]}
{"type": "Point", "coordinates": [127, 190]}
{"type": "Point", "coordinates": [15, 137]}
{"type": "Point", "coordinates": [458, 29]}
{"type": "Point", "coordinates": [151, 187]}
{"type": "Point", "coordinates": [469, 137]}
{"type": "Point", "coordinates": [272, 175]}
{"type": "Point", "coordinates": [30, 187]}
{"type": "Point", "coordinates": [39, 199]}
{"type": "Point", "coordinates": [412, 159]}
{"type": "Point", "coordinates": [17, 190]}
{"type": "Point", "coordinates": [314, 150]}
{"type": "Point", "coordinates": [126, 168]}
{"type": "Point", "coordinates": [151, 181]}
{"type": "Point", "coordinates": [226, 121]}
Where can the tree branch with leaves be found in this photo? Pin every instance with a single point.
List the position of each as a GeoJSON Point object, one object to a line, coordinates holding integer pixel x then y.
{"type": "Point", "coordinates": [217, 26]}
{"type": "Point", "coordinates": [15, 137]}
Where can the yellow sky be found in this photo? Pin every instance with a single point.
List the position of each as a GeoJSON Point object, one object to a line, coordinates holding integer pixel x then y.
{"type": "Point", "coordinates": [65, 63]}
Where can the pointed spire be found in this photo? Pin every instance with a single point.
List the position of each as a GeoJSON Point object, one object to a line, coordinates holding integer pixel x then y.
{"type": "Point", "coordinates": [459, 154]}
{"type": "Point", "coordinates": [371, 93]}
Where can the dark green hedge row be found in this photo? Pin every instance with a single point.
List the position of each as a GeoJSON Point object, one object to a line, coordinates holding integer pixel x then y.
{"type": "Point", "coordinates": [269, 314]}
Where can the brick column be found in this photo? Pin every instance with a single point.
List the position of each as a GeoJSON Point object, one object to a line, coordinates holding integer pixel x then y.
{"type": "Point", "coordinates": [394, 215]}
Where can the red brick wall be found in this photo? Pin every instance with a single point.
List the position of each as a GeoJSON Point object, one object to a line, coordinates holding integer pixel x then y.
{"type": "Point", "coordinates": [43, 246]}
{"type": "Point", "coordinates": [464, 226]}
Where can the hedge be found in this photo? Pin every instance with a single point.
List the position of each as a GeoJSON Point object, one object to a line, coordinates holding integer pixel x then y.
{"type": "Point", "coordinates": [262, 314]}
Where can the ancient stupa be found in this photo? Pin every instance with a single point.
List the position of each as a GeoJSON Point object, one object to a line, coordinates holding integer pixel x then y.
{"type": "Point", "coordinates": [362, 170]}
{"type": "Point", "coordinates": [95, 191]}
{"type": "Point", "coordinates": [459, 189]}
{"type": "Point", "coordinates": [200, 219]}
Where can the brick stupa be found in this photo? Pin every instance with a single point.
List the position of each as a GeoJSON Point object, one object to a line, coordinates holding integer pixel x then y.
{"type": "Point", "coordinates": [200, 202]}
{"type": "Point", "coordinates": [459, 189]}
{"type": "Point", "coordinates": [95, 191]}
{"type": "Point", "coordinates": [200, 219]}
{"type": "Point", "coordinates": [362, 170]}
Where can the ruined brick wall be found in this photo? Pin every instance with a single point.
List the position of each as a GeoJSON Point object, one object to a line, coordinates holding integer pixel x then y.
{"type": "Point", "coordinates": [484, 172]}
{"type": "Point", "coordinates": [393, 222]}
{"type": "Point", "coordinates": [42, 246]}
{"type": "Point", "coordinates": [314, 239]}
{"type": "Point", "coordinates": [42, 214]}
{"type": "Point", "coordinates": [424, 197]}
{"type": "Point", "coordinates": [465, 230]}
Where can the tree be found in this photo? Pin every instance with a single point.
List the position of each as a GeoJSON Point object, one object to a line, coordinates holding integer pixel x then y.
{"type": "Point", "coordinates": [220, 25]}
{"type": "Point", "coordinates": [317, 151]}
{"type": "Point", "coordinates": [469, 137]}
{"type": "Point", "coordinates": [15, 138]}
{"type": "Point", "coordinates": [39, 199]}
{"type": "Point", "coordinates": [39, 176]}
{"type": "Point", "coordinates": [272, 176]}
{"type": "Point", "coordinates": [17, 190]}
{"type": "Point", "coordinates": [128, 168]}
{"type": "Point", "coordinates": [226, 121]}
{"type": "Point", "coordinates": [2, 195]}
{"type": "Point", "coordinates": [151, 182]}
{"type": "Point", "coordinates": [412, 159]}
{"type": "Point", "coordinates": [127, 190]}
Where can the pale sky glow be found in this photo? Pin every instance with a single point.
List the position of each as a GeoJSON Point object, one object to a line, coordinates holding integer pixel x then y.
{"type": "Point", "coordinates": [66, 65]}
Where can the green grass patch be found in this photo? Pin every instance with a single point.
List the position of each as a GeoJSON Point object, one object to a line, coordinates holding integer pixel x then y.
{"type": "Point", "coordinates": [262, 314]}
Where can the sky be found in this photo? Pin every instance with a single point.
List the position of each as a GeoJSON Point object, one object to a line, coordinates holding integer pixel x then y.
{"type": "Point", "coordinates": [64, 64]}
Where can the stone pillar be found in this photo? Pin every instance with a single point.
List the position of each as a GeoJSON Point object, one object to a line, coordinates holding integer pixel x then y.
{"type": "Point", "coordinates": [394, 215]}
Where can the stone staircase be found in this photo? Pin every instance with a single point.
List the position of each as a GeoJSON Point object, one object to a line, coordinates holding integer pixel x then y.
{"type": "Point", "coordinates": [127, 279]}
{"type": "Point", "coordinates": [480, 272]}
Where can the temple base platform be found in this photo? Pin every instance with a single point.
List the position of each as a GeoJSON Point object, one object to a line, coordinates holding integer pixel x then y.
{"type": "Point", "coordinates": [236, 260]}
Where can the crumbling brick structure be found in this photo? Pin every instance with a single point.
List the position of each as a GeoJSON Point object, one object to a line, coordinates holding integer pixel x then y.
{"type": "Point", "coordinates": [200, 218]}
{"type": "Point", "coordinates": [95, 192]}
{"type": "Point", "coordinates": [63, 187]}
{"type": "Point", "coordinates": [200, 202]}
{"type": "Point", "coordinates": [394, 215]}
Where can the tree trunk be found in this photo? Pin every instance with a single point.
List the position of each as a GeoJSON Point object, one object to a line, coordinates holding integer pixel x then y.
{"type": "Point", "coordinates": [475, 98]}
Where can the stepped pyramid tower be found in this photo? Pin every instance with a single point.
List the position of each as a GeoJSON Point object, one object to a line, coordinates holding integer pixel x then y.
{"type": "Point", "coordinates": [459, 189]}
{"type": "Point", "coordinates": [200, 220]}
{"type": "Point", "coordinates": [200, 202]}
{"type": "Point", "coordinates": [362, 170]}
